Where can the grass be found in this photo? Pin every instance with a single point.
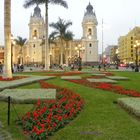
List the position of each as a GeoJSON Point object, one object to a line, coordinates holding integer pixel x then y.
{"type": "Point", "coordinates": [101, 118]}
{"type": "Point", "coordinates": [132, 83]}
{"type": "Point", "coordinates": [15, 131]}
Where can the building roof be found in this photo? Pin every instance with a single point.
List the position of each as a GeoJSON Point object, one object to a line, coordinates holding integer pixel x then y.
{"type": "Point", "coordinates": [90, 15]}
{"type": "Point", "coordinates": [36, 18]}
{"type": "Point", "coordinates": [37, 12]}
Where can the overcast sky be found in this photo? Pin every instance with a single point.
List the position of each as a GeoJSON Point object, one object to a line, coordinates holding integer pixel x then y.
{"type": "Point", "coordinates": [119, 17]}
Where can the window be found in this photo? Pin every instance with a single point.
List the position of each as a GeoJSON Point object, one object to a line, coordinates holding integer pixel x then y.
{"type": "Point", "coordinates": [89, 31]}
{"type": "Point", "coordinates": [89, 52]}
{"type": "Point", "coordinates": [35, 34]}
{"type": "Point", "coordinates": [90, 45]}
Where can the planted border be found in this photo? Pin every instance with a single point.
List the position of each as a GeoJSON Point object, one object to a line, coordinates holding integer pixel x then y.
{"type": "Point", "coordinates": [49, 116]}
{"type": "Point", "coordinates": [108, 87]}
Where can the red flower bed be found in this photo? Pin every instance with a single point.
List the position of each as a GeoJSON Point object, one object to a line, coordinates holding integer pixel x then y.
{"type": "Point", "coordinates": [108, 87]}
{"type": "Point", "coordinates": [66, 74]}
{"type": "Point", "coordinates": [48, 116]}
{"type": "Point", "coordinates": [11, 79]}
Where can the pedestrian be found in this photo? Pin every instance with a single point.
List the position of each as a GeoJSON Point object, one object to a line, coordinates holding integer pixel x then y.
{"type": "Point", "coordinates": [104, 67]}
{"type": "Point", "coordinates": [99, 67]}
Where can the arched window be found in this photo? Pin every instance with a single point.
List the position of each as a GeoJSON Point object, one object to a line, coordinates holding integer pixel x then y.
{"type": "Point", "coordinates": [90, 45]}
{"type": "Point", "coordinates": [35, 34]}
{"type": "Point", "coordinates": [89, 31]}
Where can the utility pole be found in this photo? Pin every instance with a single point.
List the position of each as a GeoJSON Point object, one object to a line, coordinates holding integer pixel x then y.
{"type": "Point", "coordinates": [102, 40]}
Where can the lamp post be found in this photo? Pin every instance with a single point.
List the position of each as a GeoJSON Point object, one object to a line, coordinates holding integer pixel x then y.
{"type": "Point", "coordinates": [79, 48]}
{"type": "Point", "coordinates": [136, 47]}
{"type": "Point", "coordinates": [50, 59]}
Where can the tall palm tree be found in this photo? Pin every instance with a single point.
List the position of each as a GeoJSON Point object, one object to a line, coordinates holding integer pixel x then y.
{"type": "Point", "coordinates": [60, 28]}
{"type": "Point", "coordinates": [29, 3]}
{"type": "Point", "coordinates": [7, 73]}
{"type": "Point", "coordinates": [20, 41]}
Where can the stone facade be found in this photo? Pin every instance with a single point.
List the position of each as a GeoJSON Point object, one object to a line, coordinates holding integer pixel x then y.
{"type": "Point", "coordinates": [86, 48]}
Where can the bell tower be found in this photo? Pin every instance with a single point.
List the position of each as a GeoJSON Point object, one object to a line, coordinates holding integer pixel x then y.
{"type": "Point", "coordinates": [89, 39]}
{"type": "Point", "coordinates": [36, 35]}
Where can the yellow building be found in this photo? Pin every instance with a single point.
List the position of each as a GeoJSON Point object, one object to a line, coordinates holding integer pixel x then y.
{"type": "Point", "coordinates": [1, 54]}
{"type": "Point", "coordinates": [127, 49]}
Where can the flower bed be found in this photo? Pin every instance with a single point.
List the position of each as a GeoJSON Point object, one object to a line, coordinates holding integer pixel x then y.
{"type": "Point", "coordinates": [131, 104]}
{"type": "Point", "coordinates": [108, 87]}
{"type": "Point", "coordinates": [48, 116]}
{"type": "Point", "coordinates": [11, 79]}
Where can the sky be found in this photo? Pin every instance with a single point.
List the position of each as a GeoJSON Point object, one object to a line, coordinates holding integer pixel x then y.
{"type": "Point", "coordinates": [119, 17]}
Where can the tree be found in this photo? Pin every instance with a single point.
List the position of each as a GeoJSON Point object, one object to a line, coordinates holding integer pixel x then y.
{"type": "Point", "coordinates": [29, 3]}
{"type": "Point", "coordinates": [20, 41]}
{"type": "Point", "coordinates": [61, 32]}
{"type": "Point", "coordinates": [7, 73]}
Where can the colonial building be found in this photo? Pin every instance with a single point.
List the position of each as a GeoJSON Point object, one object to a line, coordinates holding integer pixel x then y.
{"type": "Point", "coordinates": [85, 48]}
{"type": "Point", "coordinates": [1, 54]}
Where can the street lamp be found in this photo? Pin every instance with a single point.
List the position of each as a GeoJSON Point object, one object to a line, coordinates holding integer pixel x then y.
{"type": "Point", "coordinates": [79, 48]}
{"type": "Point", "coordinates": [136, 47]}
{"type": "Point", "coordinates": [50, 54]}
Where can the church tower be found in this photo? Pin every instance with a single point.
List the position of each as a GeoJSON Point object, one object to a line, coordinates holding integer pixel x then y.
{"type": "Point", "coordinates": [89, 39]}
{"type": "Point", "coordinates": [36, 35]}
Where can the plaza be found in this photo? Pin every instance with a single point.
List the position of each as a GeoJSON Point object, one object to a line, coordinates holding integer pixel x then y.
{"type": "Point", "coordinates": [55, 89]}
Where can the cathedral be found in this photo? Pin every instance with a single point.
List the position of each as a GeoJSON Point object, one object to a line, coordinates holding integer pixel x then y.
{"type": "Point", "coordinates": [85, 48]}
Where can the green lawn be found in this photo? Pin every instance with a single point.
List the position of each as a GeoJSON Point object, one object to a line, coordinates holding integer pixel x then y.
{"type": "Point", "coordinates": [101, 118]}
{"type": "Point", "coordinates": [133, 83]}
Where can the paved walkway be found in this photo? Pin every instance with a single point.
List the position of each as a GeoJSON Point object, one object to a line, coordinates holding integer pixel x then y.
{"type": "Point", "coordinates": [19, 82]}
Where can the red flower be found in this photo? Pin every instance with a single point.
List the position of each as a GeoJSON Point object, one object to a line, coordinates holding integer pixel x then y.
{"type": "Point", "coordinates": [28, 114]}
{"type": "Point", "coordinates": [38, 102]}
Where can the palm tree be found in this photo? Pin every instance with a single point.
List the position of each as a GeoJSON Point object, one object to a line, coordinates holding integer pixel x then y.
{"type": "Point", "coordinates": [7, 73]}
{"type": "Point", "coordinates": [20, 41]}
{"type": "Point", "coordinates": [46, 2]}
{"type": "Point", "coordinates": [60, 30]}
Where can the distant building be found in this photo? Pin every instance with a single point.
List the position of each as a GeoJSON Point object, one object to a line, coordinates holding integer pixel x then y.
{"type": "Point", "coordinates": [127, 51]}
{"type": "Point", "coordinates": [108, 53]}
{"type": "Point", "coordinates": [114, 55]}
